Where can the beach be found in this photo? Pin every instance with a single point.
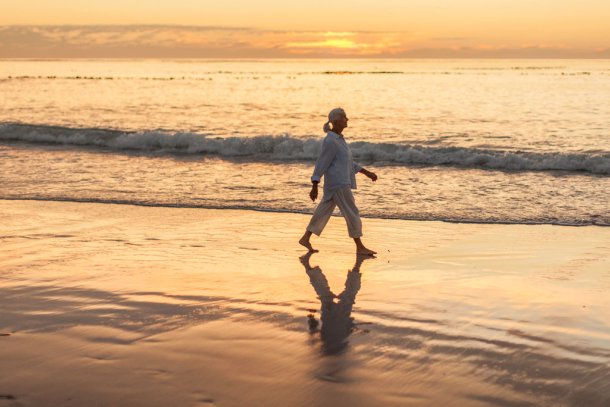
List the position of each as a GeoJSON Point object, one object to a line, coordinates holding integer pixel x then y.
{"type": "Point", "coordinates": [107, 305]}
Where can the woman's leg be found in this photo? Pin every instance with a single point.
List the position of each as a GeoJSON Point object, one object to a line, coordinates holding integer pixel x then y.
{"type": "Point", "coordinates": [347, 205]}
{"type": "Point", "coordinates": [318, 221]}
{"type": "Point", "coordinates": [320, 216]}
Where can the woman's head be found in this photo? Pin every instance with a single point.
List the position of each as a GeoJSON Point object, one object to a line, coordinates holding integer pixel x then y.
{"type": "Point", "coordinates": [338, 118]}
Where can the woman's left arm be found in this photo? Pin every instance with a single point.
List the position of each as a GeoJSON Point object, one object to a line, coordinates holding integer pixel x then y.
{"type": "Point", "coordinates": [368, 173]}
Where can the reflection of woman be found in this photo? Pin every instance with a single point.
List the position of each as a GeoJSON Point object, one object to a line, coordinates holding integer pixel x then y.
{"type": "Point", "coordinates": [339, 170]}
{"type": "Point", "coordinates": [337, 323]}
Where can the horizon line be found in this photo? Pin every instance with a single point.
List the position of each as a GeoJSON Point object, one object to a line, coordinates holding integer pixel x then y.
{"type": "Point", "coordinates": [297, 57]}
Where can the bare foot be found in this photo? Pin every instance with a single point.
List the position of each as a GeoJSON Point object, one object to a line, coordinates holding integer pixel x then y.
{"type": "Point", "coordinates": [365, 252]}
{"type": "Point", "coordinates": [305, 242]}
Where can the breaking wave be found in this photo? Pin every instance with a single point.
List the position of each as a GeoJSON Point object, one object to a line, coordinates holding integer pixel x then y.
{"type": "Point", "coordinates": [287, 148]}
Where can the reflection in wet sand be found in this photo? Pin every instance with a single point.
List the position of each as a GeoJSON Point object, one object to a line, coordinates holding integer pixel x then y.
{"type": "Point", "coordinates": [414, 352]}
{"type": "Point", "coordinates": [337, 322]}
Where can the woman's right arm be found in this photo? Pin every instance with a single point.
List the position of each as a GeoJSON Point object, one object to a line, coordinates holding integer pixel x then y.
{"type": "Point", "coordinates": [327, 155]}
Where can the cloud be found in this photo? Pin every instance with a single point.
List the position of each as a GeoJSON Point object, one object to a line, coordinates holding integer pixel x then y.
{"type": "Point", "coordinates": [125, 41]}
{"type": "Point", "coordinates": [172, 41]}
{"type": "Point", "coordinates": [185, 41]}
{"type": "Point", "coordinates": [485, 51]}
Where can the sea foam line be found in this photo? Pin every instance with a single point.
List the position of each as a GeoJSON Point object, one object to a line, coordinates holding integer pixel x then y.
{"type": "Point", "coordinates": [287, 148]}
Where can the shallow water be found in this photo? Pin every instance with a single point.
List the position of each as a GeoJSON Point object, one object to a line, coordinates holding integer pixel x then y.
{"type": "Point", "coordinates": [423, 193]}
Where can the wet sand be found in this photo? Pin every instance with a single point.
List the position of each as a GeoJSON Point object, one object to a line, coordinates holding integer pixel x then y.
{"type": "Point", "coordinates": [117, 305]}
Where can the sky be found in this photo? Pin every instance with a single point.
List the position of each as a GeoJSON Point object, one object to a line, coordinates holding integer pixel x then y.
{"type": "Point", "coordinates": [316, 28]}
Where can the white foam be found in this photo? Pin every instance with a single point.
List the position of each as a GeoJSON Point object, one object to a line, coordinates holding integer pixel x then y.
{"type": "Point", "coordinates": [278, 148]}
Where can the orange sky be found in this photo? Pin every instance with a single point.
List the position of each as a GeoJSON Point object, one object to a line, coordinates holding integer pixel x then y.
{"type": "Point", "coordinates": [272, 28]}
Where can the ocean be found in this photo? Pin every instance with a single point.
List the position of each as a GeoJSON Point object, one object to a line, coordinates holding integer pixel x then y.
{"type": "Point", "coordinates": [479, 141]}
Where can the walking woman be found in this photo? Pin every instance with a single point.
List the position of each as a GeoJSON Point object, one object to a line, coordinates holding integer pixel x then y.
{"type": "Point", "coordinates": [339, 170]}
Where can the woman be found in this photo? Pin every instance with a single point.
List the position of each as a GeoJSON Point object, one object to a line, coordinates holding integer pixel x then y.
{"type": "Point", "coordinates": [339, 170]}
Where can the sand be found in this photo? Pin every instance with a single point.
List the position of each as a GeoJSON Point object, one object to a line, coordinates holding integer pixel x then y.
{"type": "Point", "coordinates": [117, 305]}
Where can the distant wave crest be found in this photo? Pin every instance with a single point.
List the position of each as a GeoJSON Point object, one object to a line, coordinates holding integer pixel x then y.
{"type": "Point", "coordinates": [283, 148]}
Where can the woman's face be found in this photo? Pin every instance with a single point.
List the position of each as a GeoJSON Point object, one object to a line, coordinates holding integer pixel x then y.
{"type": "Point", "coordinates": [341, 121]}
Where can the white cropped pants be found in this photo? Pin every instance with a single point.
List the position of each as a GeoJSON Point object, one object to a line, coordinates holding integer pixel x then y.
{"type": "Point", "coordinates": [344, 199]}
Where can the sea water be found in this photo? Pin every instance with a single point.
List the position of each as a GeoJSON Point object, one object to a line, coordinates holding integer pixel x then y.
{"type": "Point", "coordinates": [490, 141]}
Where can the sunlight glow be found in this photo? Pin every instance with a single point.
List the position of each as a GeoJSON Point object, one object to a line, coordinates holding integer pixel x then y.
{"type": "Point", "coordinates": [335, 43]}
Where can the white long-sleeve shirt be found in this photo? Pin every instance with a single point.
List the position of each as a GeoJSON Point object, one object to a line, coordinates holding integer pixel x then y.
{"type": "Point", "coordinates": [335, 163]}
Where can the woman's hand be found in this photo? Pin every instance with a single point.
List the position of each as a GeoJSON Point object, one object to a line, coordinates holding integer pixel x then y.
{"type": "Point", "coordinates": [313, 194]}
{"type": "Point", "coordinates": [369, 174]}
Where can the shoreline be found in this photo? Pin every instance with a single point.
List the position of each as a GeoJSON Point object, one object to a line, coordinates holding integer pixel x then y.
{"type": "Point", "coordinates": [279, 211]}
